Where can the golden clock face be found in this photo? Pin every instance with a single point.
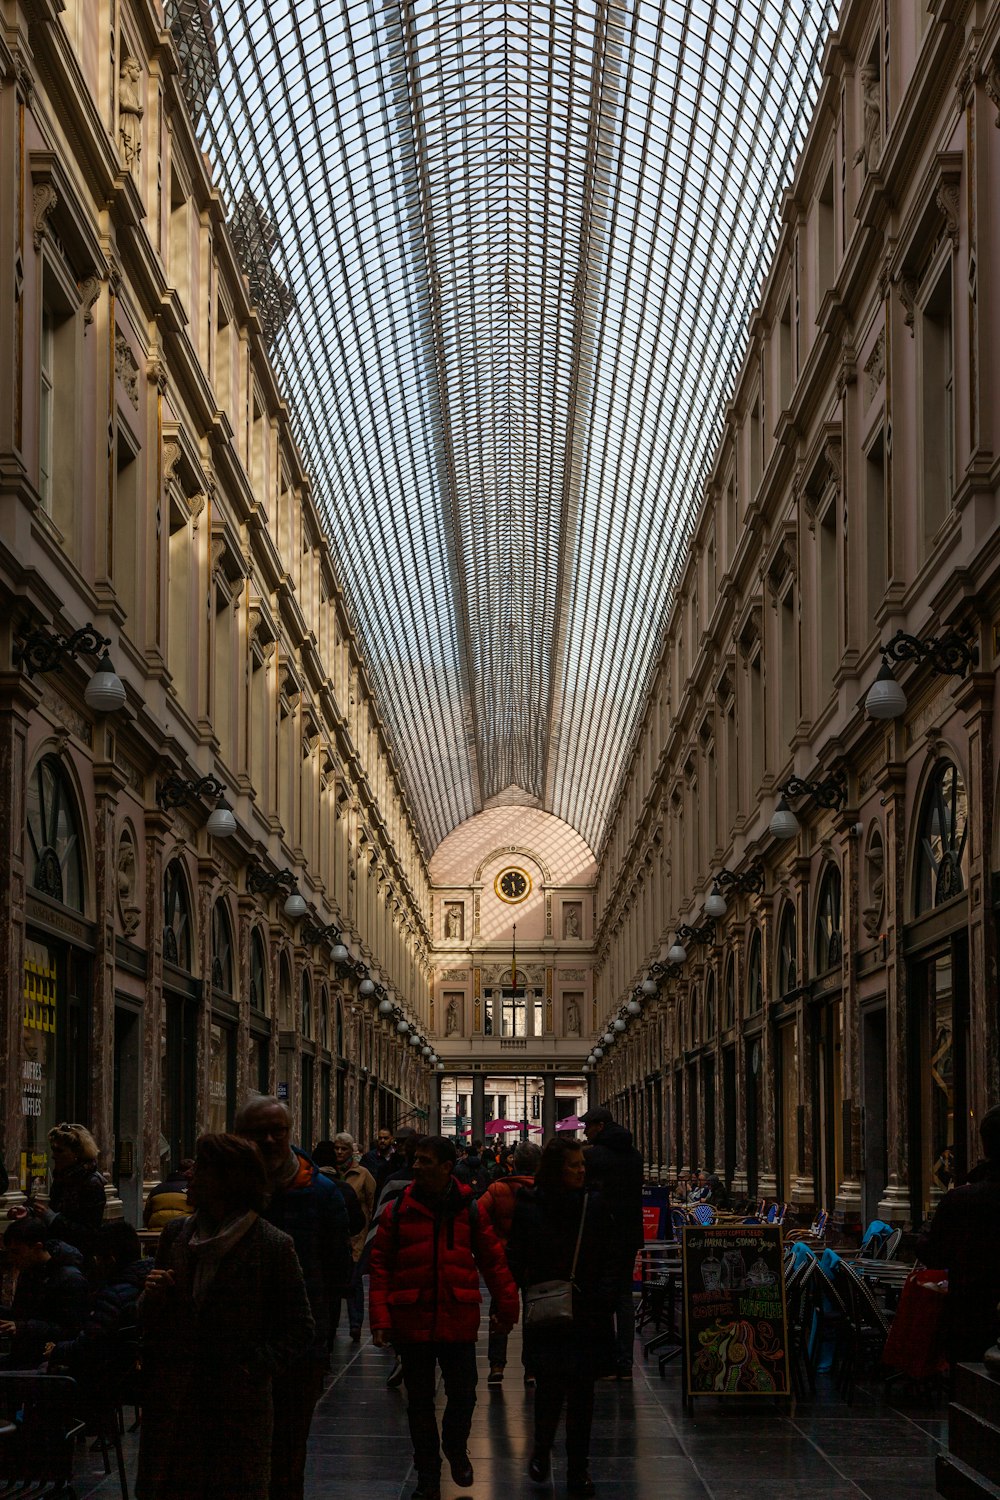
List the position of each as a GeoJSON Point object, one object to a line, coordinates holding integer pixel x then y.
{"type": "Point", "coordinates": [512, 885]}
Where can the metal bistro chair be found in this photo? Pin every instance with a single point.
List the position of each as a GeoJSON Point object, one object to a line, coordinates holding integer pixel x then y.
{"type": "Point", "coordinates": [43, 1411]}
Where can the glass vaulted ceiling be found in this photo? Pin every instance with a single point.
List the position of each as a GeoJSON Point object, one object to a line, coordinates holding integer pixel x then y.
{"type": "Point", "coordinates": [521, 243]}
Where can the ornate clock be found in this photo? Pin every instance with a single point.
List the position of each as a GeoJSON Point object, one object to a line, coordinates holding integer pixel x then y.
{"type": "Point", "coordinates": [512, 885]}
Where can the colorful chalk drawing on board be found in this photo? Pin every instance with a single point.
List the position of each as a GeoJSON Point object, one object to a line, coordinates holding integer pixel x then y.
{"type": "Point", "coordinates": [735, 1330]}
{"type": "Point", "coordinates": [738, 1358]}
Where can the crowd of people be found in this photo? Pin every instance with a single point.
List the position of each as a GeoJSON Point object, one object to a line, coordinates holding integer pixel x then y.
{"type": "Point", "coordinates": [262, 1247]}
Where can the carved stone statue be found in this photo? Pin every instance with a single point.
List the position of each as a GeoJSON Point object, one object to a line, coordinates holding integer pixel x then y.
{"type": "Point", "coordinates": [131, 913]}
{"type": "Point", "coordinates": [571, 919]}
{"type": "Point", "coordinates": [454, 920]}
{"type": "Point", "coordinates": [130, 111]}
{"type": "Point", "coordinates": [870, 149]}
{"type": "Point", "coordinates": [451, 1019]}
{"type": "Point", "coordinates": [572, 1018]}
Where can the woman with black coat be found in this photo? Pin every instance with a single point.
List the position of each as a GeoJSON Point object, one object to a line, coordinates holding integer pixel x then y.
{"type": "Point", "coordinates": [565, 1360]}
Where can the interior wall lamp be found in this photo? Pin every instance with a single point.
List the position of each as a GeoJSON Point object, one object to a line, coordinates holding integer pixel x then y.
{"type": "Point", "coordinates": [951, 654]}
{"type": "Point", "coordinates": [174, 790]}
{"type": "Point", "coordinates": [48, 651]}
{"type": "Point", "coordinates": [831, 792]}
{"type": "Point", "coordinates": [316, 932]}
{"type": "Point", "coordinates": [261, 882]}
{"type": "Point", "coordinates": [750, 882]}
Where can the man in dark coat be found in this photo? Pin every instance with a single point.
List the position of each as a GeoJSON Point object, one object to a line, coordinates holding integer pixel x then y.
{"type": "Point", "coordinates": [50, 1299]}
{"type": "Point", "coordinates": [310, 1208]}
{"type": "Point", "coordinates": [377, 1160]}
{"type": "Point", "coordinates": [614, 1168]}
{"type": "Point", "coordinates": [962, 1240]}
{"type": "Point", "coordinates": [425, 1264]}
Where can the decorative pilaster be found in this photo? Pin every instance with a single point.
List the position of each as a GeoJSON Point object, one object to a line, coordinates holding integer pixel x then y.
{"type": "Point", "coordinates": [894, 1206]}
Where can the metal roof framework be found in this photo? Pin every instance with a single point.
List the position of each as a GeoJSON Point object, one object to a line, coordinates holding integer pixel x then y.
{"type": "Point", "coordinates": [520, 243]}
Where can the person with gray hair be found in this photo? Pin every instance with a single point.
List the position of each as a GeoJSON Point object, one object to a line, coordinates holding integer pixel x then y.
{"type": "Point", "coordinates": [496, 1207]}
{"type": "Point", "coordinates": [310, 1208]}
{"type": "Point", "coordinates": [338, 1160]}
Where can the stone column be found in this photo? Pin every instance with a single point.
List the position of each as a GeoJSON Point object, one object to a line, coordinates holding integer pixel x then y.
{"type": "Point", "coordinates": [478, 1106]}
{"type": "Point", "coordinates": [894, 1206]}
{"type": "Point", "coordinates": [548, 1105]}
{"type": "Point", "coordinates": [848, 1202]}
{"type": "Point", "coordinates": [767, 1131]}
{"type": "Point", "coordinates": [592, 1094]}
{"type": "Point", "coordinates": [804, 1183]}
{"type": "Point", "coordinates": [108, 783]}
{"type": "Point", "coordinates": [157, 828]}
{"type": "Point", "coordinates": [19, 696]}
{"type": "Point", "coordinates": [434, 1111]}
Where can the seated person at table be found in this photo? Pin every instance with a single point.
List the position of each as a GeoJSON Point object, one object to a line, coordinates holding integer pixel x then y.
{"type": "Point", "coordinates": [50, 1299]}
{"type": "Point", "coordinates": [105, 1349]}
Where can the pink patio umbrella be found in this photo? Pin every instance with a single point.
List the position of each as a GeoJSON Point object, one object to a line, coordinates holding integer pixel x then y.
{"type": "Point", "coordinates": [500, 1127]}
{"type": "Point", "coordinates": [571, 1122]}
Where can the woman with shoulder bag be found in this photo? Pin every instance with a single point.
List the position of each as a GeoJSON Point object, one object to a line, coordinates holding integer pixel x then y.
{"type": "Point", "coordinates": [558, 1255]}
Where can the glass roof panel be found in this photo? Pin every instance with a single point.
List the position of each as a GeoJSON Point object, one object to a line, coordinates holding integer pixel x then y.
{"type": "Point", "coordinates": [509, 253]}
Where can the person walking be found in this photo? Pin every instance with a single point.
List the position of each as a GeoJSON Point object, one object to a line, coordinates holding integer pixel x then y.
{"type": "Point", "coordinates": [473, 1171]}
{"type": "Point", "coordinates": [347, 1171]}
{"type": "Point", "coordinates": [394, 1185]}
{"type": "Point", "coordinates": [496, 1208]}
{"type": "Point", "coordinates": [376, 1160]}
{"type": "Point", "coordinates": [426, 1260]}
{"type": "Point", "coordinates": [224, 1317]}
{"type": "Point", "coordinates": [75, 1210]}
{"type": "Point", "coordinates": [614, 1168]}
{"type": "Point", "coordinates": [561, 1231]}
{"type": "Point", "coordinates": [310, 1208]}
{"type": "Point", "coordinates": [962, 1239]}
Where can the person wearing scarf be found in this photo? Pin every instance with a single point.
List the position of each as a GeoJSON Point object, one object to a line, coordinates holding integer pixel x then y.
{"type": "Point", "coordinates": [224, 1316]}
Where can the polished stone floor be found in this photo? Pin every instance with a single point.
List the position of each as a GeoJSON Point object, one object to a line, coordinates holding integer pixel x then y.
{"type": "Point", "coordinates": [644, 1444]}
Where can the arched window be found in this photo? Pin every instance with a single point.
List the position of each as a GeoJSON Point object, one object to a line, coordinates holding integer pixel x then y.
{"type": "Point", "coordinates": [829, 937]}
{"type": "Point", "coordinates": [54, 836]}
{"type": "Point", "coordinates": [340, 1029]}
{"type": "Point", "coordinates": [258, 975]}
{"type": "Point", "coordinates": [285, 1020]}
{"type": "Point", "coordinates": [306, 1005]}
{"type": "Point", "coordinates": [729, 995]}
{"type": "Point", "coordinates": [710, 1009]}
{"type": "Point", "coordinates": [324, 1017]}
{"type": "Point", "coordinates": [755, 975]}
{"type": "Point", "coordinates": [787, 975]}
{"type": "Point", "coordinates": [222, 949]}
{"type": "Point", "coordinates": [694, 1032]}
{"type": "Point", "coordinates": [176, 917]}
{"type": "Point", "coordinates": [944, 836]}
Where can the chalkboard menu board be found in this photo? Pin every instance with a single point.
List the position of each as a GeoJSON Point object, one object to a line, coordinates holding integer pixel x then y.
{"type": "Point", "coordinates": [735, 1327]}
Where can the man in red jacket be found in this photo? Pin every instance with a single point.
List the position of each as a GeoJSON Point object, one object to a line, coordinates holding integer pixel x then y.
{"type": "Point", "coordinates": [424, 1295]}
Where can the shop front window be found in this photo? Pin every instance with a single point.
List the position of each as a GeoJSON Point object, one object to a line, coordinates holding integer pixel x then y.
{"type": "Point", "coordinates": [53, 835]}
{"type": "Point", "coordinates": [222, 949]}
{"type": "Point", "coordinates": [221, 1077]}
{"type": "Point", "coordinates": [729, 995]}
{"type": "Point", "coordinates": [944, 836]}
{"type": "Point", "coordinates": [829, 938]}
{"type": "Point", "coordinates": [755, 977]}
{"type": "Point", "coordinates": [38, 1061]}
{"type": "Point", "coordinates": [258, 975]}
{"type": "Point", "coordinates": [787, 970]}
{"type": "Point", "coordinates": [176, 917]}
